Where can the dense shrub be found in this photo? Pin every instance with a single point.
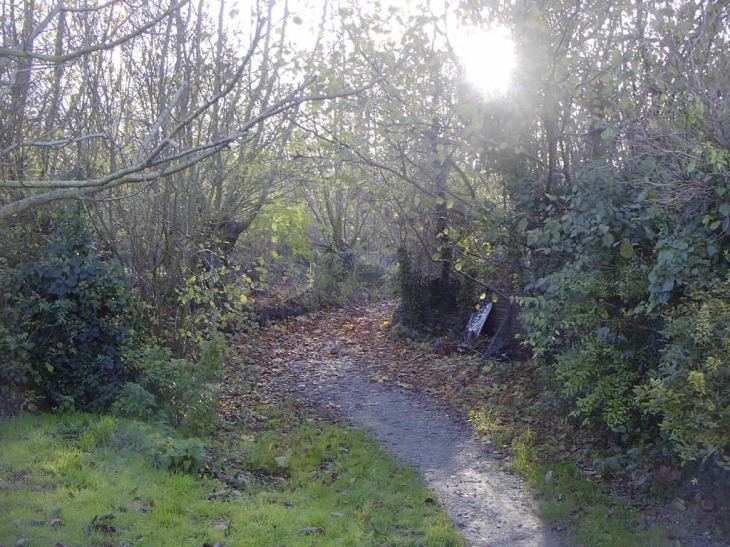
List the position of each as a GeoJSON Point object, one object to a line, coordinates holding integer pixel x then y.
{"type": "Point", "coordinates": [595, 349]}
{"type": "Point", "coordinates": [68, 323]}
{"type": "Point", "coordinates": [584, 321]}
{"type": "Point", "coordinates": [690, 390]}
{"type": "Point", "coordinates": [206, 303]}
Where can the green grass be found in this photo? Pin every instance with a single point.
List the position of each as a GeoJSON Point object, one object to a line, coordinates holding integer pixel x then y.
{"type": "Point", "coordinates": [582, 507]}
{"type": "Point", "coordinates": [62, 477]}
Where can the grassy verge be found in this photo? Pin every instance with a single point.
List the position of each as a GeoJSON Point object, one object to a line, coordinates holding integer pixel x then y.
{"type": "Point", "coordinates": [586, 509]}
{"type": "Point", "coordinates": [96, 480]}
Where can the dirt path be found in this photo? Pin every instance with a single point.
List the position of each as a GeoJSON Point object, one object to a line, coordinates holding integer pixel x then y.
{"type": "Point", "coordinates": [335, 361]}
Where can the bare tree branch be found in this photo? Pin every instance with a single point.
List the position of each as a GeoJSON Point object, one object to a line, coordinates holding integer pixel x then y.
{"type": "Point", "coordinates": [142, 171]}
{"type": "Point", "coordinates": [54, 59]}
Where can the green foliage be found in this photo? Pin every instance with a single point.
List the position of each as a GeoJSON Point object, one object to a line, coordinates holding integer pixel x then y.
{"type": "Point", "coordinates": [594, 346]}
{"type": "Point", "coordinates": [68, 322]}
{"type": "Point", "coordinates": [690, 390]}
{"type": "Point", "coordinates": [331, 275]}
{"type": "Point", "coordinates": [584, 323]}
{"type": "Point", "coordinates": [688, 256]}
{"type": "Point", "coordinates": [175, 391]}
{"type": "Point", "coordinates": [162, 447]}
{"type": "Point", "coordinates": [181, 455]}
{"type": "Point", "coordinates": [135, 401]}
{"type": "Point", "coordinates": [214, 300]}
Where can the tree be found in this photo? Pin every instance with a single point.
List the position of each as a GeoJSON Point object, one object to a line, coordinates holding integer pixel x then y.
{"type": "Point", "coordinates": [126, 139]}
{"type": "Point", "coordinates": [174, 156]}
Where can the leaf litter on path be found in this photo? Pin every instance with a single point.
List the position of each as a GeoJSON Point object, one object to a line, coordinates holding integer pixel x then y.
{"type": "Point", "coordinates": [344, 361]}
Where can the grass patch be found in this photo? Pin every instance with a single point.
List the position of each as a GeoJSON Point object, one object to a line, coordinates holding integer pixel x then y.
{"type": "Point", "coordinates": [571, 501]}
{"type": "Point", "coordinates": [96, 480]}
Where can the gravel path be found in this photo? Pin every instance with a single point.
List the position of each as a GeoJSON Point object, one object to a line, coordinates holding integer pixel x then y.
{"type": "Point", "coordinates": [486, 502]}
{"type": "Point", "coordinates": [345, 360]}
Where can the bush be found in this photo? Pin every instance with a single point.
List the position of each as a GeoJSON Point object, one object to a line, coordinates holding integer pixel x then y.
{"type": "Point", "coordinates": [426, 304]}
{"type": "Point", "coordinates": [174, 391]}
{"type": "Point", "coordinates": [162, 446]}
{"type": "Point", "coordinates": [595, 350]}
{"type": "Point", "coordinates": [690, 390]}
{"type": "Point", "coordinates": [588, 322]}
{"type": "Point", "coordinates": [209, 302]}
{"type": "Point", "coordinates": [67, 323]}
{"type": "Point", "coordinates": [181, 455]}
{"type": "Point", "coordinates": [369, 275]}
{"type": "Point", "coordinates": [413, 310]}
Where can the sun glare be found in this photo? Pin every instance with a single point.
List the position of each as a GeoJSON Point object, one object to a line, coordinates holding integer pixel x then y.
{"type": "Point", "coordinates": [487, 58]}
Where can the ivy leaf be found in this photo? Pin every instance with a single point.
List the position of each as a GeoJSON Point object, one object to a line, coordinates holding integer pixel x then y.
{"type": "Point", "coordinates": [726, 225]}
{"type": "Point", "coordinates": [626, 250]}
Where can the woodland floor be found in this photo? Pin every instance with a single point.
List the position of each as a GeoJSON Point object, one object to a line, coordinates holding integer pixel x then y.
{"type": "Point", "coordinates": [415, 397]}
